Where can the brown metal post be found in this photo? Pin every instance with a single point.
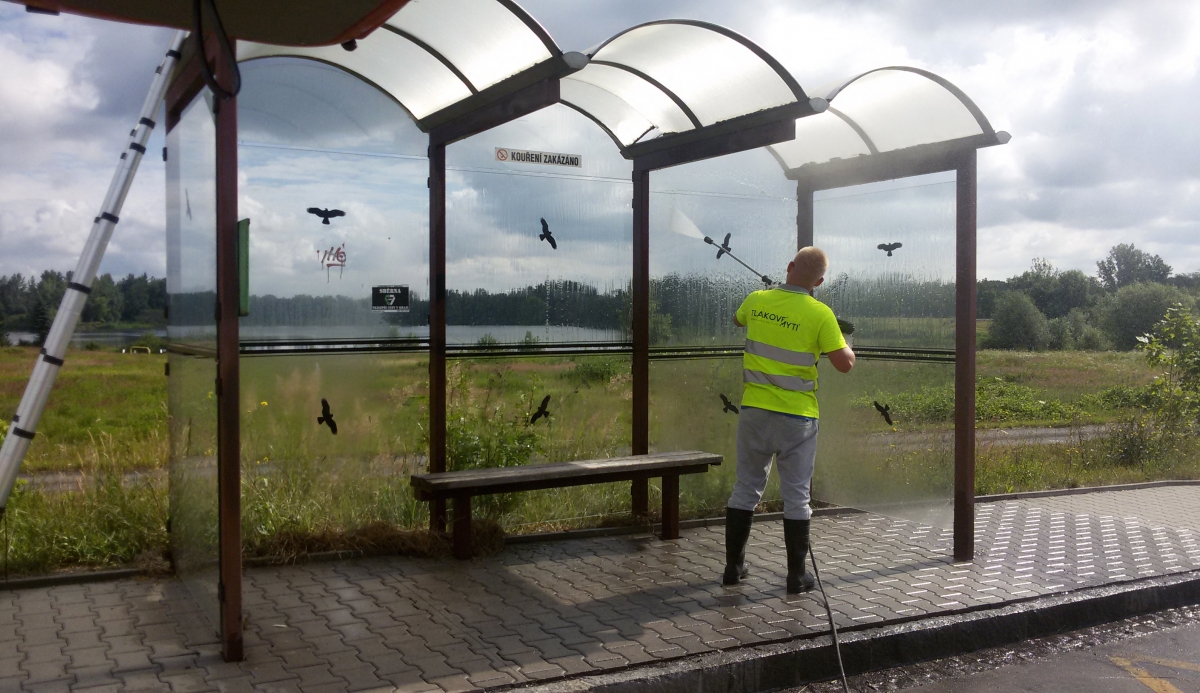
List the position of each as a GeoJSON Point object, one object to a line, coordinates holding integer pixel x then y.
{"type": "Point", "coordinates": [964, 363]}
{"type": "Point", "coordinates": [804, 216]}
{"type": "Point", "coordinates": [229, 475]}
{"type": "Point", "coordinates": [437, 325]}
{"type": "Point", "coordinates": [640, 326]}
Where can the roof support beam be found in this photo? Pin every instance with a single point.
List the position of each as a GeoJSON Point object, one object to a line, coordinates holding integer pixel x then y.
{"type": "Point", "coordinates": [718, 145]}
{"type": "Point", "coordinates": [900, 163]}
{"type": "Point", "coordinates": [528, 100]}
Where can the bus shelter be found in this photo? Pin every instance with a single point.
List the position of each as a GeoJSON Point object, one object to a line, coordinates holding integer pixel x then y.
{"type": "Point", "coordinates": [440, 234]}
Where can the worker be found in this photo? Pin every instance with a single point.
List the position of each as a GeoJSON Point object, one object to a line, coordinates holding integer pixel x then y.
{"type": "Point", "coordinates": [786, 332]}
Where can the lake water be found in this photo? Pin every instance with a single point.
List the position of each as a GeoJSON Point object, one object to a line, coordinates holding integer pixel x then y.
{"type": "Point", "coordinates": [455, 334]}
{"type": "Point", "coordinates": [114, 338]}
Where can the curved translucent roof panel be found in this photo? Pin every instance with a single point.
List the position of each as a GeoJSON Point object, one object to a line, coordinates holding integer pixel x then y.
{"type": "Point", "coordinates": [677, 76]}
{"type": "Point", "coordinates": [433, 54]}
{"type": "Point", "coordinates": [885, 110]}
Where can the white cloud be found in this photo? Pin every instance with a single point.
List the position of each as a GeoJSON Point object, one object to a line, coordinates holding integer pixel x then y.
{"type": "Point", "coordinates": [1099, 96]}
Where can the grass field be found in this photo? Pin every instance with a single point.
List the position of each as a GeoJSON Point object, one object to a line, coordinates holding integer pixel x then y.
{"type": "Point", "coordinates": [305, 488]}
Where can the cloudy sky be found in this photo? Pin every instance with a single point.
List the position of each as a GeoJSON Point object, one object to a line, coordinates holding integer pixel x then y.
{"type": "Point", "coordinates": [1099, 95]}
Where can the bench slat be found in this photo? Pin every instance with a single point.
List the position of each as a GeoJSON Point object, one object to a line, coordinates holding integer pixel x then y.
{"type": "Point", "coordinates": [534, 476]}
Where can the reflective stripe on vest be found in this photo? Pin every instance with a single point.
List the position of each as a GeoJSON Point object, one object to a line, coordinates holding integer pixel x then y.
{"type": "Point", "coordinates": [792, 383]}
{"type": "Point", "coordinates": [793, 358]}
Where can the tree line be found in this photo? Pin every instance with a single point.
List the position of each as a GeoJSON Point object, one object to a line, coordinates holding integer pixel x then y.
{"type": "Point", "coordinates": [30, 303]}
{"type": "Point", "coordinates": [1045, 308]}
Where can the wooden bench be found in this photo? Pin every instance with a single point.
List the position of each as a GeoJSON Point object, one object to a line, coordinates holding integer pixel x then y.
{"type": "Point", "coordinates": [461, 486]}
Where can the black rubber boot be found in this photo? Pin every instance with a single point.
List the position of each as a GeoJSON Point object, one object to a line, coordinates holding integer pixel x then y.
{"type": "Point", "coordinates": [737, 533]}
{"type": "Point", "coordinates": [795, 537]}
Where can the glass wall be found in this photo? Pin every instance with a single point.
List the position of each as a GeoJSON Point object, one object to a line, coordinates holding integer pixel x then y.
{"type": "Point", "coordinates": [886, 441]}
{"type": "Point", "coordinates": [191, 329]}
{"type": "Point", "coordinates": [334, 373]}
{"type": "Point", "coordinates": [743, 201]}
{"type": "Point", "coordinates": [538, 258]}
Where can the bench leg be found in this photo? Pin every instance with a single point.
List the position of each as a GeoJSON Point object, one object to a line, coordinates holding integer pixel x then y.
{"type": "Point", "coordinates": [640, 491]}
{"type": "Point", "coordinates": [462, 527]}
{"type": "Point", "coordinates": [670, 506]}
{"type": "Point", "coordinates": [437, 516]}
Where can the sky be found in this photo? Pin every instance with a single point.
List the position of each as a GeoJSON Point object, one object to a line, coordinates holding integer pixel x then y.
{"type": "Point", "coordinates": [1100, 97]}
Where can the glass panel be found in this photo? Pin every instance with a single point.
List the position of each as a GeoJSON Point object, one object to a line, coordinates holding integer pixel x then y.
{"type": "Point", "coordinates": [491, 422]}
{"type": "Point", "coordinates": [484, 39]}
{"type": "Point", "coordinates": [716, 76]}
{"type": "Point", "coordinates": [299, 475]}
{"type": "Point", "coordinates": [694, 296]}
{"type": "Point", "coordinates": [528, 320]}
{"type": "Point", "coordinates": [905, 470]}
{"type": "Point", "coordinates": [820, 138]}
{"type": "Point", "coordinates": [191, 287]}
{"type": "Point", "coordinates": [399, 67]}
{"type": "Point", "coordinates": [901, 295]}
{"type": "Point", "coordinates": [506, 284]}
{"type": "Point", "coordinates": [898, 109]}
{"type": "Point", "coordinates": [292, 102]}
{"type": "Point", "coordinates": [687, 412]}
{"type": "Point", "coordinates": [900, 298]}
{"type": "Point", "coordinates": [618, 116]}
{"type": "Point", "coordinates": [337, 203]}
{"type": "Point", "coordinates": [647, 99]}
{"type": "Point", "coordinates": [744, 196]}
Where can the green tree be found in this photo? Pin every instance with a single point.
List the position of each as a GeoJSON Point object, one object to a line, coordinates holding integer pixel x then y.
{"type": "Point", "coordinates": [1056, 293]}
{"type": "Point", "coordinates": [1134, 310]}
{"type": "Point", "coordinates": [1017, 324]}
{"type": "Point", "coordinates": [1126, 265]}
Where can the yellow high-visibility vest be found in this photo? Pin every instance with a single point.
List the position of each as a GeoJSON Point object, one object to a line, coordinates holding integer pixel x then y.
{"type": "Point", "coordinates": [786, 332]}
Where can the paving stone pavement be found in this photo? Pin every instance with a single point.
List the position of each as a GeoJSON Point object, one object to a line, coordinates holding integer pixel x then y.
{"type": "Point", "coordinates": [540, 611]}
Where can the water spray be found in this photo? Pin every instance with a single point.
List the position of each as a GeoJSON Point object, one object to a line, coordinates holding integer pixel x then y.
{"type": "Point", "coordinates": [683, 226]}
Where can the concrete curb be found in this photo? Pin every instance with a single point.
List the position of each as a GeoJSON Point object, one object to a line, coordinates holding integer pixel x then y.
{"type": "Point", "coordinates": [80, 578]}
{"type": "Point", "coordinates": [1084, 489]}
{"type": "Point", "coordinates": [808, 659]}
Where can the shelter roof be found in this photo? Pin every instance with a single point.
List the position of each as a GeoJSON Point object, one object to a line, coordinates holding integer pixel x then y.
{"type": "Point", "coordinates": [441, 58]}
{"type": "Point", "coordinates": [666, 78]}
{"type": "Point", "coordinates": [285, 22]}
{"type": "Point", "coordinates": [889, 109]}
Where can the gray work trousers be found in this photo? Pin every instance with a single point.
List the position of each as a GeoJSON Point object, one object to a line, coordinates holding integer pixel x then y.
{"type": "Point", "coordinates": [792, 441]}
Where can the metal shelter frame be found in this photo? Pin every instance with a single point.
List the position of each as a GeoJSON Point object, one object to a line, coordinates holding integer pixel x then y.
{"type": "Point", "coordinates": [664, 139]}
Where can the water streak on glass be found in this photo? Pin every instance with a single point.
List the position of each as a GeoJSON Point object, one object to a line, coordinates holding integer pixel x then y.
{"type": "Point", "coordinates": [897, 295]}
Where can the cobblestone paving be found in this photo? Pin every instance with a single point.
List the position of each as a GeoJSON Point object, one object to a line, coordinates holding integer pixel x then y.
{"type": "Point", "coordinates": [541, 611]}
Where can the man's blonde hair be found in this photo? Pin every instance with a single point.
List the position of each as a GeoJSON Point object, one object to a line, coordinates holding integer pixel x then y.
{"type": "Point", "coordinates": [810, 265]}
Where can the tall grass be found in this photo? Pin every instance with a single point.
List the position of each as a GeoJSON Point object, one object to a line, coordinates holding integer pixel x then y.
{"type": "Point", "coordinates": [108, 519]}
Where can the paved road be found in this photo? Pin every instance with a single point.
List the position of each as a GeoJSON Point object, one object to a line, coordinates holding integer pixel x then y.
{"type": "Point", "coordinates": [1158, 653]}
{"type": "Point", "coordinates": [1164, 662]}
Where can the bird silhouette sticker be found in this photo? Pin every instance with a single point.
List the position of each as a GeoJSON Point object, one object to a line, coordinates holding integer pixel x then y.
{"type": "Point", "coordinates": [885, 410]}
{"type": "Point", "coordinates": [326, 417]}
{"type": "Point", "coordinates": [724, 247]}
{"type": "Point", "coordinates": [889, 247]}
{"type": "Point", "coordinates": [326, 214]}
{"type": "Point", "coordinates": [541, 412]}
{"type": "Point", "coordinates": [546, 236]}
{"type": "Point", "coordinates": [729, 406]}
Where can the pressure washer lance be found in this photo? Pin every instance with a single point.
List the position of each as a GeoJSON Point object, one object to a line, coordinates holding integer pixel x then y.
{"type": "Point", "coordinates": [723, 249]}
{"type": "Point", "coordinates": [846, 326]}
{"type": "Point", "coordinates": [837, 648]}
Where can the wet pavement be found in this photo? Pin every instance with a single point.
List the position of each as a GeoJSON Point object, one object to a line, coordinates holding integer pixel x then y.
{"type": "Point", "coordinates": [541, 612]}
{"type": "Point", "coordinates": [1157, 652]}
